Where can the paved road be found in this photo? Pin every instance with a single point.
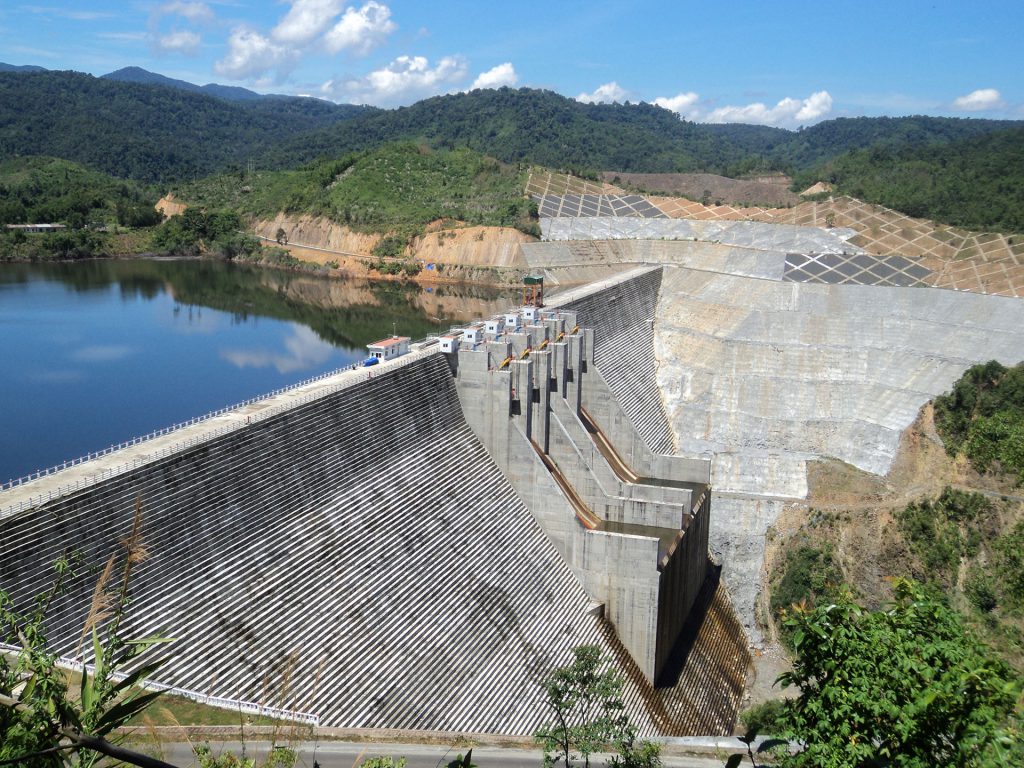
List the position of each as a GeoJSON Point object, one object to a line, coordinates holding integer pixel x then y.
{"type": "Point", "coordinates": [336, 754]}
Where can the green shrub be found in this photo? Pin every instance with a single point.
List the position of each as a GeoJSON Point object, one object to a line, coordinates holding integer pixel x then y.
{"type": "Point", "coordinates": [808, 574]}
{"type": "Point", "coordinates": [941, 531]}
{"type": "Point", "coordinates": [764, 718]}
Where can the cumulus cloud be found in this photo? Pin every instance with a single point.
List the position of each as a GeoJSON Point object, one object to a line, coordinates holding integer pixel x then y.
{"type": "Point", "coordinates": [979, 101]}
{"type": "Point", "coordinates": [360, 31]}
{"type": "Point", "coordinates": [496, 77]}
{"type": "Point", "coordinates": [193, 11]}
{"type": "Point", "coordinates": [404, 80]}
{"type": "Point", "coordinates": [250, 54]}
{"type": "Point", "coordinates": [306, 20]}
{"type": "Point", "coordinates": [605, 94]}
{"type": "Point", "coordinates": [179, 41]}
{"type": "Point", "coordinates": [787, 113]}
{"type": "Point", "coordinates": [684, 104]}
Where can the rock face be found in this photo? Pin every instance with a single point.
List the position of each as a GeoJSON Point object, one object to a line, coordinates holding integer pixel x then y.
{"type": "Point", "coordinates": [467, 246]}
{"type": "Point", "coordinates": [318, 232]}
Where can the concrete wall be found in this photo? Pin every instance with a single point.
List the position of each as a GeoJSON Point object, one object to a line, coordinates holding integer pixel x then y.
{"type": "Point", "coordinates": [358, 557]}
{"type": "Point", "coordinates": [621, 316]}
{"type": "Point", "coordinates": [627, 541]}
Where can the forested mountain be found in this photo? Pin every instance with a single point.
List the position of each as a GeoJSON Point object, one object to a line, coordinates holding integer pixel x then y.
{"type": "Point", "coordinates": [548, 129]}
{"type": "Point", "coordinates": [145, 77]}
{"type": "Point", "coordinates": [226, 92]}
{"type": "Point", "coordinates": [824, 141]}
{"type": "Point", "coordinates": [20, 68]}
{"type": "Point", "coordinates": [165, 130]}
{"type": "Point", "coordinates": [146, 132]}
{"type": "Point", "coordinates": [536, 126]}
{"type": "Point", "coordinates": [976, 182]}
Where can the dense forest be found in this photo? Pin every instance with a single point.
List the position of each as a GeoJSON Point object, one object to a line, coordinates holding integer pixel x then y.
{"type": "Point", "coordinates": [135, 124]}
{"type": "Point", "coordinates": [977, 182]}
{"type": "Point", "coordinates": [146, 132]}
{"type": "Point", "coordinates": [45, 189]}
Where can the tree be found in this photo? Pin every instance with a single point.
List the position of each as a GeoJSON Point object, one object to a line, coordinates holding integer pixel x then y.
{"type": "Point", "coordinates": [905, 686]}
{"type": "Point", "coordinates": [44, 722]}
{"type": "Point", "coordinates": [586, 697]}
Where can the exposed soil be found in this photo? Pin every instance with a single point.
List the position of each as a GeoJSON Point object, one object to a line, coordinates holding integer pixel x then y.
{"type": "Point", "coordinates": [854, 511]}
{"type": "Point", "coordinates": [168, 206]}
{"type": "Point", "coordinates": [769, 191]}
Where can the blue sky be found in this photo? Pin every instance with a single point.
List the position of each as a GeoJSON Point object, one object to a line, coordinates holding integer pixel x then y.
{"type": "Point", "coordinates": [786, 63]}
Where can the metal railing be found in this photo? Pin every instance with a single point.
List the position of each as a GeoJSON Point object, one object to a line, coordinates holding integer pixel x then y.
{"type": "Point", "coordinates": [102, 474]}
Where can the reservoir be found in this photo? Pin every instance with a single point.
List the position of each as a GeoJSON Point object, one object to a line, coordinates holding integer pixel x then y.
{"type": "Point", "coordinates": [95, 353]}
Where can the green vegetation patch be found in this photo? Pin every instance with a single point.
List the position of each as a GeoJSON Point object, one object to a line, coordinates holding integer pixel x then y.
{"type": "Point", "coordinates": [395, 190]}
{"type": "Point", "coordinates": [45, 190]}
{"type": "Point", "coordinates": [975, 182]}
{"type": "Point", "coordinates": [941, 532]}
{"type": "Point", "coordinates": [982, 417]}
{"type": "Point", "coordinates": [809, 573]}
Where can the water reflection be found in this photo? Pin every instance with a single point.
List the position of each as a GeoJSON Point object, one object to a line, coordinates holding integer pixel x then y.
{"type": "Point", "coordinates": [98, 352]}
{"type": "Point", "coordinates": [303, 350]}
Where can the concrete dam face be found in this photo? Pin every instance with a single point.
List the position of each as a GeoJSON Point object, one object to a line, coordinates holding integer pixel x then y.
{"type": "Point", "coordinates": [355, 552]}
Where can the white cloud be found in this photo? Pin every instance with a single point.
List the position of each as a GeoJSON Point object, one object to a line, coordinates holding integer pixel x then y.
{"type": "Point", "coordinates": [979, 101]}
{"type": "Point", "coordinates": [179, 41]}
{"type": "Point", "coordinates": [403, 81]}
{"type": "Point", "coordinates": [130, 37]}
{"type": "Point", "coordinates": [306, 20]}
{"type": "Point", "coordinates": [605, 94]}
{"type": "Point", "coordinates": [251, 54]}
{"type": "Point", "coordinates": [362, 30]}
{"type": "Point", "coordinates": [787, 113]}
{"type": "Point", "coordinates": [496, 77]}
{"type": "Point", "coordinates": [193, 11]}
{"type": "Point", "coordinates": [684, 104]}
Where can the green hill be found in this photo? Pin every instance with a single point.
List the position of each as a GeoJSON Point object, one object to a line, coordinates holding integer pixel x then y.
{"type": "Point", "coordinates": [977, 182]}
{"type": "Point", "coordinates": [398, 188]}
{"type": "Point", "coordinates": [142, 131]}
{"type": "Point", "coordinates": [45, 189]}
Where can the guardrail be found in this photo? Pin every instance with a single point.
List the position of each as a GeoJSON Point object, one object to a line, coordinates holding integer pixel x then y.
{"type": "Point", "coordinates": [236, 705]}
{"type": "Point", "coordinates": [62, 490]}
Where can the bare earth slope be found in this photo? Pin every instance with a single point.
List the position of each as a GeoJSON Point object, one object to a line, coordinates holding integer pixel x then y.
{"type": "Point", "coordinates": [770, 192]}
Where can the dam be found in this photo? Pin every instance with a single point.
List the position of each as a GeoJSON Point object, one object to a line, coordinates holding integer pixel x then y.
{"type": "Point", "coordinates": [416, 544]}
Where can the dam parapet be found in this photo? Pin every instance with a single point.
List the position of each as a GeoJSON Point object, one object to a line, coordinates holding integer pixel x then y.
{"type": "Point", "coordinates": [636, 536]}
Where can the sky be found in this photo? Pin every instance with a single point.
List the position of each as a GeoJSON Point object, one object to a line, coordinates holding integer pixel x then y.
{"type": "Point", "coordinates": [789, 63]}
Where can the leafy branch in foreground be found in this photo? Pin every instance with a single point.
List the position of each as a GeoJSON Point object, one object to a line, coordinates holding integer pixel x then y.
{"type": "Point", "coordinates": [43, 724]}
{"type": "Point", "coordinates": [905, 686]}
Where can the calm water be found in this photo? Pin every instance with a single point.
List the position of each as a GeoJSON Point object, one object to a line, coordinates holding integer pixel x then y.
{"type": "Point", "coordinates": [95, 353]}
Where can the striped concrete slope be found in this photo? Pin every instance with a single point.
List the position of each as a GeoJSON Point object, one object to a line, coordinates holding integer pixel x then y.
{"type": "Point", "coordinates": [622, 318]}
{"type": "Point", "coordinates": [359, 558]}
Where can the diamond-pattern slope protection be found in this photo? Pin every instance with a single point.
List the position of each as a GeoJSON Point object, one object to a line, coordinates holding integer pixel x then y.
{"type": "Point", "coordinates": [958, 259]}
